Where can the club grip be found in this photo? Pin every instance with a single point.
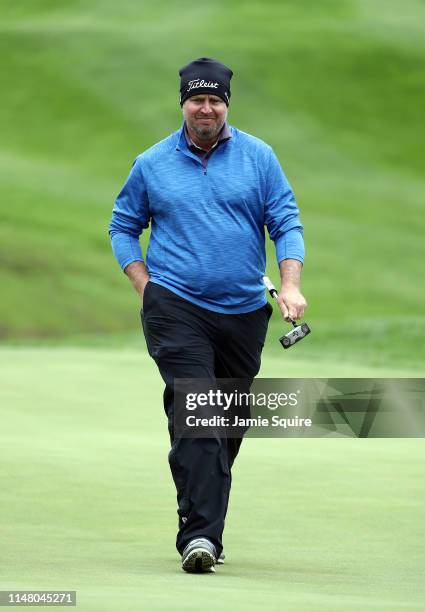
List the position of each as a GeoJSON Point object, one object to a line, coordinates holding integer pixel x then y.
{"type": "Point", "coordinates": [273, 292]}
{"type": "Point", "coordinates": [271, 288]}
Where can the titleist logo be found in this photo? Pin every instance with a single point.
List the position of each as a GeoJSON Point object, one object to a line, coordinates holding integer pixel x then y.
{"type": "Point", "coordinates": [201, 83]}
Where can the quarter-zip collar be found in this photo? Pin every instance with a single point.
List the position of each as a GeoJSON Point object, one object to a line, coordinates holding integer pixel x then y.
{"type": "Point", "coordinates": [224, 134]}
{"type": "Point", "coordinates": [183, 144]}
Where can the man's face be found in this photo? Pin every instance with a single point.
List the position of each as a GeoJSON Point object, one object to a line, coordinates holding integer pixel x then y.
{"type": "Point", "coordinates": [205, 115]}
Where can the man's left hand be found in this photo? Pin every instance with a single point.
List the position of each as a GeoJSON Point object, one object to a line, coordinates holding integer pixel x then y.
{"type": "Point", "coordinates": [291, 303]}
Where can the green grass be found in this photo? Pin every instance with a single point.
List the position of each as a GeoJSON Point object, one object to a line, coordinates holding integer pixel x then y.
{"type": "Point", "coordinates": [335, 87]}
{"type": "Point", "coordinates": [88, 504]}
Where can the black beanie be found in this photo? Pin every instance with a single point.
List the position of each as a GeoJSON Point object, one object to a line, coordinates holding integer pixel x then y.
{"type": "Point", "coordinates": [207, 76]}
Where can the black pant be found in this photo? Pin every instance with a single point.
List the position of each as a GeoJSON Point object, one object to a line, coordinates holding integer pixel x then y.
{"type": "Point", "coordinates": [187, 341]}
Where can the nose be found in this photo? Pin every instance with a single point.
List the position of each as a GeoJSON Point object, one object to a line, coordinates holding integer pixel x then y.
{"type": "Point", "coordinates": [206, 108]}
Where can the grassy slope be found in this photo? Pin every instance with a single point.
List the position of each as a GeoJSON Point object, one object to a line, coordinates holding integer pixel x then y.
{"type": "Point", "coordinates": [88, 504]}
{"type": "Point", "coordinates": [333, 86]}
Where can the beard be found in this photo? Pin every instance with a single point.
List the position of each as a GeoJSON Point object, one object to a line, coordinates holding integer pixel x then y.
{"type": "Point", "coordinates": [207, 133]}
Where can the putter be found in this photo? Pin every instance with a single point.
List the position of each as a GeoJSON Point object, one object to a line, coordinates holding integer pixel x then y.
{"type": "Point", "coordinates": [295, 335]}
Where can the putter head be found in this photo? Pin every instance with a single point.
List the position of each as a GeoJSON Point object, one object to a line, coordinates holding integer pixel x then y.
{"type": "Point", "coordinates": [295, 335]}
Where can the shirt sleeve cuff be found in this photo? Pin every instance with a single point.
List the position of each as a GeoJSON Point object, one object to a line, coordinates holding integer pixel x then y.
{"type": "Point", "coordinates": [126, 249]}
{"type": "Point", "coordinates": [290, 246]}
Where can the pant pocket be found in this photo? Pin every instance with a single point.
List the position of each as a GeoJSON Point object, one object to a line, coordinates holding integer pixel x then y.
{"type": "Point", "coordinates": [269, 310]}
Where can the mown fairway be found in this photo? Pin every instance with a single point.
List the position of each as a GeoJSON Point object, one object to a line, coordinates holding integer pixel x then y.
{"type": "Point", "coordinates": [88, 504]}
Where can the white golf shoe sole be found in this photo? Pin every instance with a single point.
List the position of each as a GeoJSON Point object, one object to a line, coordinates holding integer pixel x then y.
{"type": "Point", "coordinates": [199, 560]}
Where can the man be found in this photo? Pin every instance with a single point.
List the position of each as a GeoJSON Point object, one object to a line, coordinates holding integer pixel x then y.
{"type": "Point", "coordinates": [207, 191]}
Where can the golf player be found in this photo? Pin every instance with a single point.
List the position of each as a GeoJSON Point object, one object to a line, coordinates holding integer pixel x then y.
{"type": "Point", "coordinates": [207, 191]}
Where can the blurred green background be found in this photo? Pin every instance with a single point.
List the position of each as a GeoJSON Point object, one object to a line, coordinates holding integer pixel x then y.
{"type": "Point", "coordinates": [336, 87]}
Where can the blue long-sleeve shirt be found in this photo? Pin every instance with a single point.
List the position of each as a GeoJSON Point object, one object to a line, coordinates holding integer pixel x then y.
{"type": "Point", "coordinates": [207, 241]}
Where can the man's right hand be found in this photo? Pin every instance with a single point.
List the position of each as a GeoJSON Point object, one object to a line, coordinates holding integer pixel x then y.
{"type": "Point", "coordinates": [137, 273]}
{"type": "Point", "coordinates": [142, 292]}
